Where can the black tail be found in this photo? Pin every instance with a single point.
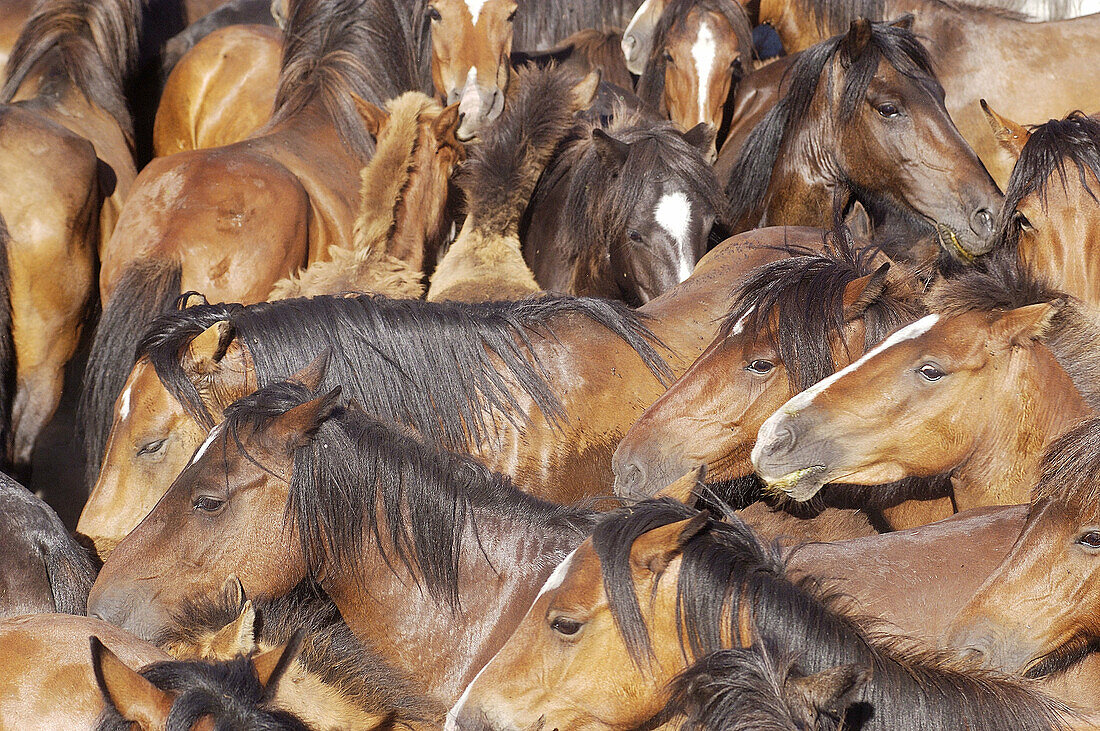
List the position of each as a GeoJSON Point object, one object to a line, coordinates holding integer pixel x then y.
{"type": "Point", "coordinates": [147, 289]}
{"type": "Point", "coordinates": [7, 349]}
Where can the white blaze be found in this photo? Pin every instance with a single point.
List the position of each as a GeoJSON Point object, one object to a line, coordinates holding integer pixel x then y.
{"type": "Point", "coordinates": [206, 444]}
{"type": "Point", "coordinates": [703, 52]}
{"type": "Point", "coordinates": [475, 6]}
{"type": "Point", "coordinates": [673, 214]}
{"type": "Point", "coordinates": [124, 410]}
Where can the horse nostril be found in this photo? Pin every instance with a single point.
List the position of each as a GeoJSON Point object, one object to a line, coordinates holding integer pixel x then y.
{"type": "Point", "coordinates": [782, 439]}
{"type": "Point", "coordinates": [629, 41]}
{"type": "Point", "coordinates": [981, 222]}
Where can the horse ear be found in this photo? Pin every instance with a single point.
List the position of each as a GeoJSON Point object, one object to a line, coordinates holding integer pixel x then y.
{"type": "Point", "coordinates": [858, 222]}
{"type": "Point", "coordinates": [233, 591]}
{"type": "Point", "coordinates": [1011, 136]}
{"type": "Point", "coordinates": [830, 691]}
{"type": "Point", "coordinates": [135, 698]}
{"type": "Point", "coordinates": [655, 550]}
{"type": "Point", "coordinates": [373, 117]}
{"type": "Point", "coordinates": [611, 151]}
{"type": "Point", "coordinates": [701, 137]}
{"type": "Point", "coordinates": [207, 349]}
{"type": "Point", "coordinates": [905, 22]}
{"type": "Point", "coordinates": [860, 293]}
{"type": "Point", "coordinates": [235, 638]}
{"type": "Point", "coordinates": [297, 425]}
{"type": "Point", "coordinates": [270, 666]}
{"type": "Point", "coordinates": [313, 374]}
{"type": "Point", "coordinates": [280, 11]}
{"type": "Point", "coordinates": [1017, 327]}
{"type": "Point", "coordinates": [683, 489]}
{"type": "Point", "coordinates": [445, 126]}
{"type": "Point", "coordinates": [585, 92]}
{"type": "Point", "coordinates": [191, 299]}
{"type": "Point", "coordinates": [859, 36]}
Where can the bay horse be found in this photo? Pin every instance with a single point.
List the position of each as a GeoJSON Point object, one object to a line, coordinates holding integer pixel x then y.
{"type": "Point", "coordinates": [423, 551]}
{"type": "Point", "coordinates": [974, 391]}
{"type": "Point", "coordinates": [62, 107]}
{"type": "Point", "coordinates": [1051, 212]}
{"type": "Point", "coordinates": [1032, 615]}
{"type": "Point", "coordinates": [42, 569]}
{"type": "Point", "coordinates": [221, 91]}
{"type": "Point", "coordinates": [701, 48]}
{"type": "Point", "coordinates": [12, 17]}
{"type": "Point", "coordinates": [986, 61]}
{"type": "Point", "coordinates": [286, 194]}
{"type": "Point", "coordinates": [270, 13]}
{"type": "Point", "coordinates": [623, 212]}
{"type": "Point", "coordinates": [485, 262]}
{"type": "Point", "coordinates": [863, 120]}
{"type": "Point", "coordinates": [195, 363]}
{"type": "Point", "coordinates": [659, 585]}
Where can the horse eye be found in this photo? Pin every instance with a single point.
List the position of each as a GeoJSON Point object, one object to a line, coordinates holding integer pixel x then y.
{"type": "Point", "coordinates": [634, 236]}
{"type": "Point", "coordinates": [565, 626]}
{"type": "Point", "coordinates": [512, 15]}
{"type": "Point", "coordinates": [930, 372]}
{"type": "Point", "coordinates": [1022, 222]}
{"type": "Point", "coordinates": [888, 110]}
{"type": "Point", "coordinates": [761, 367]}
{"type": "Point", "coordinates": [433, 13]}
{"type": "Point", "coordinates": [668, 57]}
{"type": "Point", "coordinates": [208, 504]}
{"type": "Point", "coordinates": [1090, 539]}
{"type": "Point", "coordinates": [151, 447]}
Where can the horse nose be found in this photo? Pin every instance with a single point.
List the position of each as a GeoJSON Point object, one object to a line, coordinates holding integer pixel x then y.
{"type": "Point", "coordinates": [981, 222]}
{"type": "Point", "coordinates": [628, 480]}
{"type": "Point", "coordinates": [778, 441]}
{"type": "Point", "coordinates": [628, 43]}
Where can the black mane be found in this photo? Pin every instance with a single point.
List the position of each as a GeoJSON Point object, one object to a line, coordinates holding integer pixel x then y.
{"type": "Point", "coordinates": [431, 366]}
{"type": "Point", "coordinates": [1074, 139]}
{"type": "Point", "coordinates": [756, 162]}
{"type": "Point", "coordinates": [359, 480]}
{"type": "Point", "coordinates": [725, 564]}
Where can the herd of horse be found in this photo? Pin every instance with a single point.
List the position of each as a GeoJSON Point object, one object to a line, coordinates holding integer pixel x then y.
{"type": "Point", "coordinates": [550, 364]}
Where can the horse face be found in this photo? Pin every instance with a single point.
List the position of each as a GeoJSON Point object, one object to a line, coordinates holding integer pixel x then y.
{"type": "Point", "coordinates": [637, 43]}
{"type": "Point", "coordinates": [471, 45]}
{"type": "Point", "coordinates": [901, 146]}
{"type": "Point", "coordinates": [1033, 614]}
{"type": "Point", "coordinates": [223, 515]}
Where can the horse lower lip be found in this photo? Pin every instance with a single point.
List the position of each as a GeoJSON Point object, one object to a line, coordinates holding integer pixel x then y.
{"type": "Point", "coordinates": [787, 482]}
{"type": "Point", "coordinates": [947, 236]}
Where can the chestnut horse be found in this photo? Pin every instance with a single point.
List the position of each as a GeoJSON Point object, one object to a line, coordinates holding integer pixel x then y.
{"type": "Point", "coordinates": [1033, 615]}
{"type": "Point", "coordinates": [974, 391]}
{"type": "Point", "coordinates": [658, 586]}
{"type": "Point", "coordinates": [181, 383]}
{"type": "Point", "coordinates": [221, 91]}
{"type": "Point", "coordinates": [63, 108]}
{"type": "Point", "coordinates": [980, 52]}
{"type": "Point", "coordinates": [862, 120]}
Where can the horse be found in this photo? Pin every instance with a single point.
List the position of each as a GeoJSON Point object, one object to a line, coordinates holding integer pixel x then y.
{"type": "Point", "coordinates": [622, 212]}
{"type": "Point", "coordinates": [62, 107]}
{"type": "Point", "coordinates": [269, 13]}
{"type": "Point", "coordinates": [975, 391]}
{"type": "Point", "coordinates": [485, 262]}
{"type": "Point", "coordinates": [222, 91]}
{"type": "Point", "coordinates": [659, 585]}
{"type": "Point", "coordinates": [12, 17]}
{"type": "Point", "coordinates": [42, 569]}
{"type": "Point", "coordinates": [701, 48]}
{"type": "Point", "coordinates": [403, 204]}
{"type": "Point", "coordinates": [986, 61]}
{"type": "Point", "coordinates": [769, 347]}
{"type": "Point", "coordinates": [859, 109]}
{"type": "Point", "coordinates": [359, 506]}
{"type": "Point", "coordinates": [281, 197]}
{"type": "Point", "coordinates": [1049, 574]}
{"type": "Point", "coordinates": [1051, 226]}
{"type": "Point", "coordinates": [195, 363]}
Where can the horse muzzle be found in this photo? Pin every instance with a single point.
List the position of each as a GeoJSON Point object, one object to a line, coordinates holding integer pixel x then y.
{"type": "Point", "coordinates": [477, 105]}
{"type": "Point", "coordinates": [787, 464]}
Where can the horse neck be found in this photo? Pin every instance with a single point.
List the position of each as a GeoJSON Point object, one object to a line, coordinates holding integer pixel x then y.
{"type": "Point", "coordinates": [501, 568]}
{"type": "Point", "coordinates": [1036, 402]}
{"type": "Point", "coordinates": [386, 179]}
{"type": "Point", "coordinates": [420, 215]}
{"type": "Point", "coordinates": [804, 181]}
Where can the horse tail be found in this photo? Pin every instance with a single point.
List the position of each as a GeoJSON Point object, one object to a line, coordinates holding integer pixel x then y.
{"type": "Point", "coordinates": [147, 288]}
{"type": "Point", "coordinates": [7, 347]}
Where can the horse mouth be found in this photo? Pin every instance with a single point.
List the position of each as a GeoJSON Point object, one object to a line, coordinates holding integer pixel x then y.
{"type": "Point", "coordinates": [949, 240]}
{"type": "Point", "coordinates": [799, 485]}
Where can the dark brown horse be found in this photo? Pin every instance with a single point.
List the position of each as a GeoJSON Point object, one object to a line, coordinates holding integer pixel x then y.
{"type": "Point", "coordinates": [862, 120]}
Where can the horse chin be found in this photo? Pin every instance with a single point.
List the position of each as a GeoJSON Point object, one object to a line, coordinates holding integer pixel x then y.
{"type": "Point", "coordinates": [799, 485]}
{"type": "Point", "coordinates": [950, 242]}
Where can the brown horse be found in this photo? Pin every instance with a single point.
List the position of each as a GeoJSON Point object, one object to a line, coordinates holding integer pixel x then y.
{"type": "Point", "coordinates": [182, 382]}
{"type": "Point", "coordinates": [975, 391]}
{"type": "Point", "coordinates": [63, 108]}
{"type": "Point", "coordinates": [485, 262]}
{"type": "Point", "coordinates": [981, 52]}
{"type": "Point", "coordinates": [1033, 615]}
{"type": "Point", "coordinates": [221, 91]}
{"type": "Point", "coordinates": [13, 15]}
{"type": "Point", "coordinates": [862, 120]}
{"type": "Point", "coordinates": [403, 204]}
{"type": "Point", "coordinates": [659, 585]}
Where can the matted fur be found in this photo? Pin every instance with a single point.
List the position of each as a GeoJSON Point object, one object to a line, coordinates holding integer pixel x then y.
{"type": "Point", "coordinates": [725, 570]}
{"type": "Point", "coordinates": [91, 43]}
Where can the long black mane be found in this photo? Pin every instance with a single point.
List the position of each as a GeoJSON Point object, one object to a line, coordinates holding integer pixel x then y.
{"type": "Point", "coordinates": [1050, 150]}
{"type": "Point", "coordinates": [752, 171]}
{"type": "Point", "coordinates": [361, 481]}
{"type": "Point", "coordinates": [726, 574]}
{"type": "Point", "coordinates": [335, 48]}
{"type": "Point", "coordinates": [436, 367]}
{"type": "Point", "coordinates": [651, 85]}
{"type": "Point", "coordinates": [92, 44]}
